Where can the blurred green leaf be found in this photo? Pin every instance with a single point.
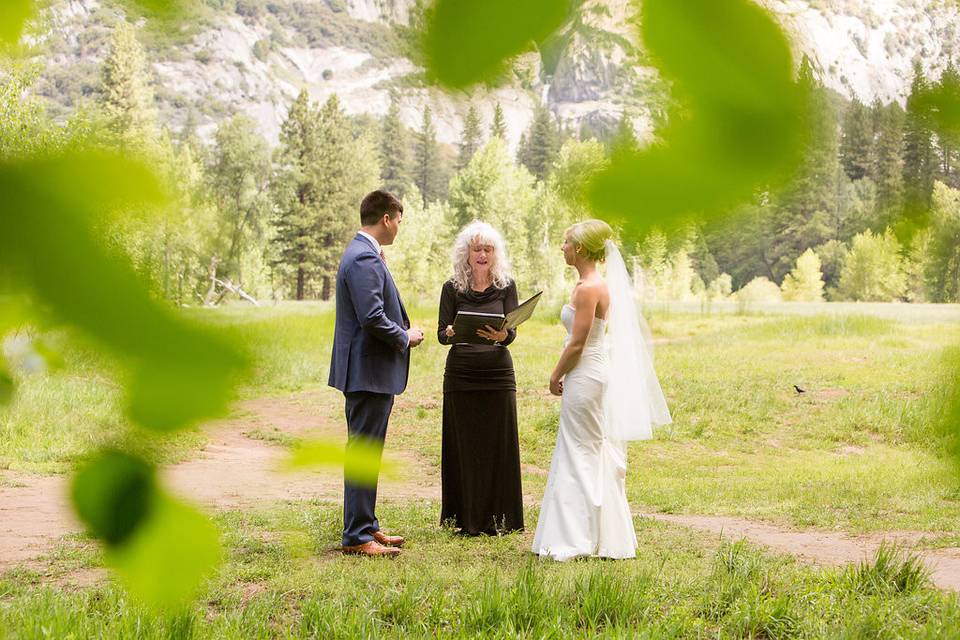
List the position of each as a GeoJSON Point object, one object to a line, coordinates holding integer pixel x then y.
{"type": "Point", "coordinates": [468, 41]}
{"type": "Point", "coordinates": [943, 105]}
{"type": "Point", "coordinates": [113, 495]}
{"type": "Point", "coordinates": [737, 128]}
{"type": "Point", "coordinates": [180, 373]}
{"type": "Point", "coordinates": [13, 15]}
{"type": "Point", "coordinates": [361, 459]}
{"type": "Point", "coordinates": [163, 564]}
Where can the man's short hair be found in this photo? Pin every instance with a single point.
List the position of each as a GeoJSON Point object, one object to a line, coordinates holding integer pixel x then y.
{"type": "Point", "coordinates": [376, 204]}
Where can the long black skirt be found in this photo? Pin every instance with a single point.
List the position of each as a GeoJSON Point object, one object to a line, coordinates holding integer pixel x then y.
{"type": "Point", "coordinates": [480, 465]}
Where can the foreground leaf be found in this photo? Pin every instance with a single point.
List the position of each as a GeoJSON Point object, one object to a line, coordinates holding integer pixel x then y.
{"type": "Point", "coordinates": [468, 41]}
{"type": "Point", "coordinates": [361, 459]}
{"type": "Point", "coordinates": [13, 16]}
{"type": "Point", "coordinates": [113, 495]}
{"type": "Point", "coordinates": [181, 373]}
{"type": "Point", "coordinates": [737, 128]}
{"type": "Point", "coordinates": [164, 563]}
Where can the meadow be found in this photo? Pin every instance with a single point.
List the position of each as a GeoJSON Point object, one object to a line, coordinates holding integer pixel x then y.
{"type": "Point", "coordinates": [857, 451]}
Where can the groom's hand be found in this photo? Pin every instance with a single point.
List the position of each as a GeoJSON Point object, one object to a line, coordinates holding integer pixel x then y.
{"type": "Point", "coordinates": [415, 336]}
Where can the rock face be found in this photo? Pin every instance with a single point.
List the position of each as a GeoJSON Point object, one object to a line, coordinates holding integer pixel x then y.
{"type": "Point", "coordinates": [867, 49]}
{"type": "Point", "coordinates": [255, 61]}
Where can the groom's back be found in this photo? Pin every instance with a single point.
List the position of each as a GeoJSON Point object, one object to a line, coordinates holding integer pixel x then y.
{"type": "Point", "coordinates": [359, 360]}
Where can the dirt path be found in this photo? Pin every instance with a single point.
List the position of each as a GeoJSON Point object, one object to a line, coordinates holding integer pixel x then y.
{"type": "Point", "coordinates": [825, 548]}
{"type": "Point", "coordinates": [239, 466]}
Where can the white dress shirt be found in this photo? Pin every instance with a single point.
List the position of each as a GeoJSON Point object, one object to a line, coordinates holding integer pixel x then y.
{"type": "Point", "coordinates": [376, 245]}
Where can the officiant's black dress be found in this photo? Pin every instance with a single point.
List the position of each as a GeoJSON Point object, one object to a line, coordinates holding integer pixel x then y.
{"type": "Point", "coordinates": [480, 466]}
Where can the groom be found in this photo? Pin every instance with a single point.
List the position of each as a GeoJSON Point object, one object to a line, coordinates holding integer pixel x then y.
{"type": "Point", "coordinates": [371, 359]}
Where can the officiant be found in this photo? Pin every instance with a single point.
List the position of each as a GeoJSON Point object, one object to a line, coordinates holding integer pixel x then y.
{"type": "Point", "coordinates": [480, 464]}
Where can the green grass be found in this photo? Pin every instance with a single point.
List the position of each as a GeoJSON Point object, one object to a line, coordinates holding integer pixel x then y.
{"type": "Point", "coordinates": [857, 452]}
{"type": "Point", "coordinates": [282, 579]}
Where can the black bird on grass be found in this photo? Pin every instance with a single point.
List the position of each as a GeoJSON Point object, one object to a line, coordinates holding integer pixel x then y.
{"type": "Point", "coordinates": [799, 390]}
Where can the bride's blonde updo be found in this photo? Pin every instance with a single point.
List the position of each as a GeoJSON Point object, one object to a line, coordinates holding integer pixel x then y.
{"type": "Point", "coordinates": [589, 238]}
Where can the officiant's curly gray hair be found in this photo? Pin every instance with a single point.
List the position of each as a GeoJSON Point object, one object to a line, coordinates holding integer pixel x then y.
{"type": "Point", "coordinates": [478, 232]}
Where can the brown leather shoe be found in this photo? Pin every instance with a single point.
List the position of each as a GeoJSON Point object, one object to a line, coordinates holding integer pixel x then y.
{"type": "Point", "coordinates": [371, 548]}
{"type": "Point", "coordinates": [389, 541]}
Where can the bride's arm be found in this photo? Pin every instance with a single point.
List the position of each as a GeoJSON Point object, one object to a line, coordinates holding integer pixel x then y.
{"type": "Point", "coordinates": [585, 300]}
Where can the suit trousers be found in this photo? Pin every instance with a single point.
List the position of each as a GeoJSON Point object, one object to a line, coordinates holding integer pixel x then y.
{"type": "Point", "coordinates": [367, 417]}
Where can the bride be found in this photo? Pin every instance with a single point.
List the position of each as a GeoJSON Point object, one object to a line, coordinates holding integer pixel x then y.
{"type": "Point", "coordinates": [610, 394]}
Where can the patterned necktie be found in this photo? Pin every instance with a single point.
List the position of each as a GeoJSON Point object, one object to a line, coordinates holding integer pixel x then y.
{"type": "Point", "coordinates": [383, 256]}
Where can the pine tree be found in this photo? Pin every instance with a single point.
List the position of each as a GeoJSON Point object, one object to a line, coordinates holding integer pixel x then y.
{"type": "Point", "coordinates": [324, 173]}
{"type": "Point", "coordinates": [856, 140]}
{"type": "Point", "coordinates": [470, 140]}
{"type": "Point", "coordinates": [499, 127]}
{"type": "Point", "coordinates": [805, 206]}
{"type": "Point", "coordinates": [345, 169]}
{"type": "Point", "coordinates": [297, 193]}
{"type": "Point", "coordinates": [428, 173]}
{"type": "Point", "coordinates": [918, 153]}
{"type": "Point", "coordinates": [948, 87]}
{"type": "Point", "coordinates": [394, 152]}
{"type": "Point", "coordinates": [624, 137]}
{"type": "Point", "coordinates": [541, 144]}
{"type": "Point", "coordinates": [126, 97]}
{"type": "Point", "coordinates": [886, 163]}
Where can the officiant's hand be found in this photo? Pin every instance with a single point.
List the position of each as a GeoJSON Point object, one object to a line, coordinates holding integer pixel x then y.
{"type": "Point", "coordinates": [492, 334]}
{"type": "Point", "coordinates": [449, 331]}
{"type": "Point", "coordinates": [415, 336]}
{"type": "Point", "coordinates": [556, 387]}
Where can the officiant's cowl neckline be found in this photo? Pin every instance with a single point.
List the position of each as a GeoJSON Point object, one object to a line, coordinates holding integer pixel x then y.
{"type": "Point", "coordinates": [480, 297]}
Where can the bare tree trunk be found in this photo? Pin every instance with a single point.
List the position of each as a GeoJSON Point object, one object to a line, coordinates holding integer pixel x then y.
{"type": "Point", "coordinates": [327, 290]}
{"type": "Point", "coordinates": [301, 277]}
{"type": "Point", "coordinates": [237, 289]}
{"type": "Point", "coordinates": [208, 300]}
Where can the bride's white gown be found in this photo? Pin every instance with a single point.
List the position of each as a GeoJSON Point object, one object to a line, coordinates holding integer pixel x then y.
{"type": "Point", "coordinates": [585, 510]}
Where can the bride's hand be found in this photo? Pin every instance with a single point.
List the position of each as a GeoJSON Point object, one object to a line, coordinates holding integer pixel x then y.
{"type": "Point", "coordinates": [449, 331]}
{"type": "Point", "coordinates": [556, 387]}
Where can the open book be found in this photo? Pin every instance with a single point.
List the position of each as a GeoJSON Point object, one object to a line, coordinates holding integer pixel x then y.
{"type": "Point", "coordinates": [467, 323]}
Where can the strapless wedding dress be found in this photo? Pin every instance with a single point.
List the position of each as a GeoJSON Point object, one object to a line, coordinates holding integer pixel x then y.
{"type": "Point", "coordinates": [585, 510]}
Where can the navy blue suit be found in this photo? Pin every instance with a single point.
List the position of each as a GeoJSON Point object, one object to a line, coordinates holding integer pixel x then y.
{"type": "Point", "coordinates": [370, 365]}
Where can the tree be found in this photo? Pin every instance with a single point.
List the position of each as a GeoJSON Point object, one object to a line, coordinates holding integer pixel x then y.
{"type": "Point", "coordinates": [806, 205]}
{"type": "Point", "coordinates": [540, 144]}
{"type": "Point", "coordinates": [948, 138]}
{"type": "Point", "coordinates": [494, 189]}
{"type": "Point", "coordinates": [919, 163]}
{"type": "Point", "coordinates": [805, 282]}
{"type": "Point", "coordinates": [239, 175]}
{"type": "Point", "coordinates": [345, 170]}
{"type": "Point", "coordinates": [419, 257]}
{"type": "Point", "coordinates": [296, 193]}
{"type": "Point", "coordinates": [470, 140]}
{"type": "Point", "coordinates": [758, 290]}
{"type": "Point", "coordinates": [126, 97]}
{"type": "Point", "coordinates": [942, 269]}
{"type": "Point", "coordinates": [428, 172]}
{"type": "Point", "coordinates": [856, 140]}
{"type": "Point", "coordinates": [886, 163]}
{"type": "Point", "coordinates": [832, 255]}
{"type": "Point", "coordinates": [498, 129]}
{"type": "Point", "coordinates": [24, 127]}
{"type": "Point", "coordinates": [624, 137]}
{"type": "Point", "coordinates": [394, 153]}
{"type": "Point", "coordinates": [873, 270]}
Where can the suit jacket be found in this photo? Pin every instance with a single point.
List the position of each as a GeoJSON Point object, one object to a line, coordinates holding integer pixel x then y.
{"type": "Point", "coordinates": [370, 345]}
